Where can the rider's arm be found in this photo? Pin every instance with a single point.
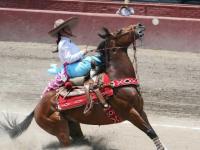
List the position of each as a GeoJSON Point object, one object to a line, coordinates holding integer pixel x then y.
{"type": "Point", "coordinates": [70, 58]}
{"type": "Point", "coordinates": [69, 54]}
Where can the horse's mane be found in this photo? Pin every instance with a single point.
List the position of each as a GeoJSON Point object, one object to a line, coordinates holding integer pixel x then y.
{"type": "Point", "coordinates": [101, 46]}
{"type": "Point", "coordinates": [101, 50]}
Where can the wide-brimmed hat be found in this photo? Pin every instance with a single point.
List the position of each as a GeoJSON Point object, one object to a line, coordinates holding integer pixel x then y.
{"type": "Point", "coordinates": [61, 24]}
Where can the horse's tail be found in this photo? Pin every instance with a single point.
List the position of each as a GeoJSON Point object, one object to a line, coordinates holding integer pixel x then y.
{"type": "Point", "coordinates": [13, 129]}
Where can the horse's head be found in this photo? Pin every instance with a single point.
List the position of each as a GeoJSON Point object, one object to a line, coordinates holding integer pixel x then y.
{"type": "Point", "coordinates": [113, 48]}
{"type": "Point", "coordinates": [123, 37]}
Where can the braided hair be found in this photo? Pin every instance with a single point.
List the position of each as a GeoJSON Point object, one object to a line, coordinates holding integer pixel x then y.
{"type": "Point", "coordinates": [57, 42]}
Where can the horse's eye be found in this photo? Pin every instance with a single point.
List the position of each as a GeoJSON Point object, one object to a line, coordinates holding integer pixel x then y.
{"type": "Point", "coordinates": [114, 49]}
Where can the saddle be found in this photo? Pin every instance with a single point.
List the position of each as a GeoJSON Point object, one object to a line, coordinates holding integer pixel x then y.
{"type": "Point", "coordinates": [84, 93]}
{"type": "Point", "coordinates": [78, 81]}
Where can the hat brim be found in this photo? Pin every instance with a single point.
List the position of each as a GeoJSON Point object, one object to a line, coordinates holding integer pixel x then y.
{"type": "Point", "coordinates": [71, 23]}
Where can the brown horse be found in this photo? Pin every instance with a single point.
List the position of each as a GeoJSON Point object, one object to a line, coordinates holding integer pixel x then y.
{"type": "Point", "coordinates": [127, 101]}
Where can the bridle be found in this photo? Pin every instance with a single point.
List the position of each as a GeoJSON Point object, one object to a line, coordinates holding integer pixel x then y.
{"type": "Point", "coordinates": [133, 35]}
{"type": "Point", "coordinates": [132, 32]}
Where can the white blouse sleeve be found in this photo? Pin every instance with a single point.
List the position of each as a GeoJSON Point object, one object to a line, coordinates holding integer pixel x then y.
{"type": "Point", "coordinates": [66, 55]}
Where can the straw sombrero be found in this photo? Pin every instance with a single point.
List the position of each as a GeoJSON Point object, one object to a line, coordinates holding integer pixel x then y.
{"type": "Point", "coordinates": [61, 24]}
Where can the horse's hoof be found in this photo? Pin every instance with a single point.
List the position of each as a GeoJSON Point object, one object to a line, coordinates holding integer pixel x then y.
{"type": "Point", "coordinates": [161, 148]}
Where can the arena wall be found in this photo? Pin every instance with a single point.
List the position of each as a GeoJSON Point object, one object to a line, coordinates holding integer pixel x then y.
{"type": "Point", "coordinates": [144, 9]}
{"type": "Point", "coordinates": [33, 25]}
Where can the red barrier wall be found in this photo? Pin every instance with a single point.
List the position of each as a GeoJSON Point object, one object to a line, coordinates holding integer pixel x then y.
{"type": "Point", "coordinates": [33, 25]}
{"type": "Point", "coordinates": [144, 9]}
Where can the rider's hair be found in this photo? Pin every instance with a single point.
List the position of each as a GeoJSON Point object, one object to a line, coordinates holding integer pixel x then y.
{"type": "Point", "coordinates": [57, 42]}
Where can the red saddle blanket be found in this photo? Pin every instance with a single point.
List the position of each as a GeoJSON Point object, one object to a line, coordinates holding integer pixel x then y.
{"type": "Point", "coordinates": [80, 100]}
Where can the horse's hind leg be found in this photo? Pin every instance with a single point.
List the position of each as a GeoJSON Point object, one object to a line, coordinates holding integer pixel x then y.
{"type": "Point", "coordinates": [61, 129]}
{"type": "Point", "coordinates": [52, 121]}
{"type": "Point", "coordinates": [142, 123]}
{"type": "Point", "coordinates": [56, 126]}
{"type": "Point", "coordinates": [75, 130]}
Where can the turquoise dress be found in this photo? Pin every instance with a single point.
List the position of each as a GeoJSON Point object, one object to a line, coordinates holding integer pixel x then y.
{"type": "Point", "coordinates": [77, 69]}
{"type": "Point", "coordinates": [82, 67]}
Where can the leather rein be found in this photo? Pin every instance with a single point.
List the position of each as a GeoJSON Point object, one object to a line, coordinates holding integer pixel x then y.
{"type": "Point", "coordinates": [132, 32]}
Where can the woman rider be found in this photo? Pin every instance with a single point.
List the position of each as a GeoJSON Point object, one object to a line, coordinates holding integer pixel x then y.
{"type": "Point", "coordinates": [75, 63]}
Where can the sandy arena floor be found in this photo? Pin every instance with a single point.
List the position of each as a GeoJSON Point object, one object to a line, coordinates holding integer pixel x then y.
{"type": "Point", "coordinates": [170, 84]}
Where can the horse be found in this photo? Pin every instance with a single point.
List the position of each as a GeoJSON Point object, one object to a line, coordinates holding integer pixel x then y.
{"type": "Point", "coordinates": [126, 101]}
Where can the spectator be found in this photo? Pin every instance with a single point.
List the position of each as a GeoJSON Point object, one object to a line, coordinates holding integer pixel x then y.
{"type": "Point", "coordinates": [125, 11]}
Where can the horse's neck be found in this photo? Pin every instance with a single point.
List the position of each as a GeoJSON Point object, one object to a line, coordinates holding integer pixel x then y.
{"type": "Point", "coordinates": [120, 67]}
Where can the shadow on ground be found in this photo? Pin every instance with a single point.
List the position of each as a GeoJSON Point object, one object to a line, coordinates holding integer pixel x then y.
{"type": "Point", "coordinates": [88, 143]}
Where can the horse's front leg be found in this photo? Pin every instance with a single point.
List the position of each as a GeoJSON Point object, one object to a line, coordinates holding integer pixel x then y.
{"type": "Point", "coordinates": [156, 140]}
{"type": "Point", "coordinates": [140, 121]}
{"type": "Point", "coordinates": [129, 104]}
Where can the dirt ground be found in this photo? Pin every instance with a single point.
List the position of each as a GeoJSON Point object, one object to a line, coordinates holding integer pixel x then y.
{"type": "Point", "coordinates": [170, 83]}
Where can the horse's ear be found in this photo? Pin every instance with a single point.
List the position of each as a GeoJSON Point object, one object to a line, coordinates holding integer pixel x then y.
{"type": "Point", "coordinates": [106, 33]}
{"type": "Point", "coordinates": [101, 36]}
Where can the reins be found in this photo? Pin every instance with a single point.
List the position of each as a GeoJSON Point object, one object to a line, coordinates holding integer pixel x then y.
{"type": "Point", "coordinates": [135, 56]}
{"type": "Point", "coordinates": [98, 50]}
{"type": "Point", "coordinates": [135, 65]}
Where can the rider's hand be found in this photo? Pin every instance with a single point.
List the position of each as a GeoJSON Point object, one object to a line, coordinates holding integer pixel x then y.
{"type": "Point", "coordinates": [85, 51]}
